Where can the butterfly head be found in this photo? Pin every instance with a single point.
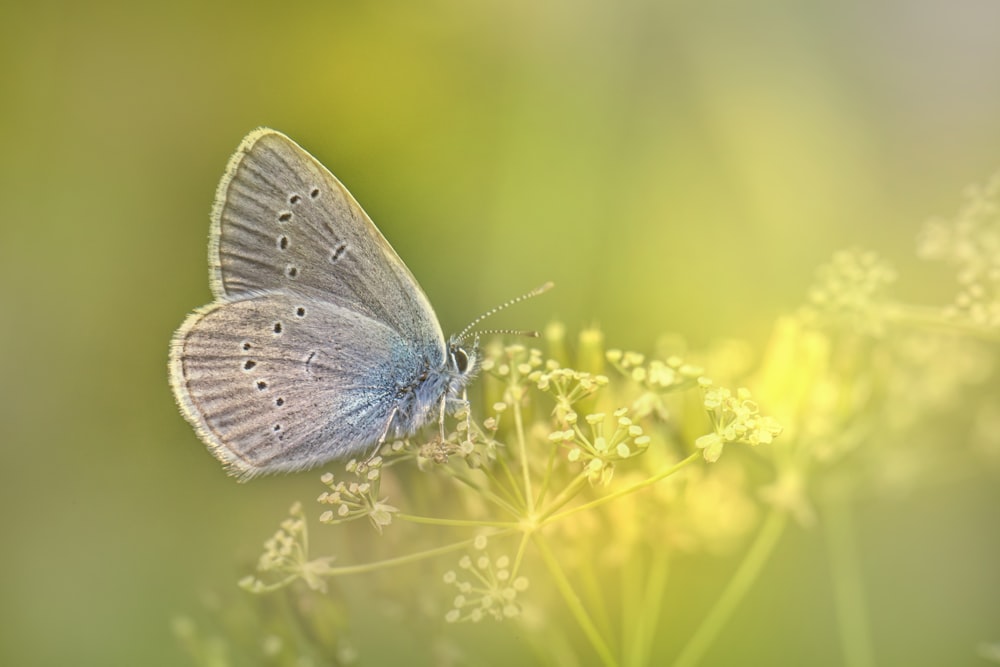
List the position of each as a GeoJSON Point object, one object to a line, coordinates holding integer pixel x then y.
{"type": "Point", "coordinates": [463, 359]}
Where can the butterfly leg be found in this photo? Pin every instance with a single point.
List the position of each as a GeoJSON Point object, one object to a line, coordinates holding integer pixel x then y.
{"type": "Point", "coordinates": [444, 400]}
{"type": "Point", "coordinates": [468, 415]}
{"type": "Point", "coordinates": [382, 438]}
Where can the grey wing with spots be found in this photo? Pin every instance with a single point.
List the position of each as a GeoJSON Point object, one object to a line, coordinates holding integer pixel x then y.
{"type": "Point", "coordinates": [283, 382]}
{"type": "Point", "coordinates": [282, 221]}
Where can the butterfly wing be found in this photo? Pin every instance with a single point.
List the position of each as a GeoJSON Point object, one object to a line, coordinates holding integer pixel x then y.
{"type": "Point", "coordinates": [282, 221]}
{"type": "Point", "coordinates": [281, 382]}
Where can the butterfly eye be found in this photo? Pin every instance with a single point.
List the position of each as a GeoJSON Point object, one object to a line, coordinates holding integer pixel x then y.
{"type": "Point", "coordinates": [460, 358]}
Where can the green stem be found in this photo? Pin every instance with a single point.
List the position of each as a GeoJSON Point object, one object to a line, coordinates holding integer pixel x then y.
{"type": "Point", "coordinates": [515, 489]}
{"type": "Point", "coordinates": [409, 558]}
{"type": "Point", "coordinates": [547, 480]}
{"type": "Point", "coordinates": [566, 495]}
{"type": "Point", "coordinates": [299, 625]}
{"type": "Point", "coordinates": [521, 548]}
{"type": "Point", "coordinates": [632, 488]}
{"type": "Point", "coordinates": [436, 521]}
{"type": "Point", "coordinates": [589, 584]}
{"type": "Point", "coordinates": [529, 497]}
{"type": "Point", "coordinates": [631, 607]}
{"type": "Point", "coordinates": [652, 604]}
{"type": "Point", "coordinates": [487, 494]}
{"type": "Point", "coordinates": [932, 318]}
{"type": "Point", "coordinates": [848, 589]}
{"type": "Point", "coordinates": [269, 588]}
{"type": "Point", "coordinates": [509, 491]}
{"type": "Point", "coordinates": [573, 602]}
{"type": "Point", "coordinates": [743, 579]}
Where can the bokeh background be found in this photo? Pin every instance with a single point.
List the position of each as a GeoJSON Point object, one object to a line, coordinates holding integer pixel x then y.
{"type": "Point", "coordinates": [673, 166]}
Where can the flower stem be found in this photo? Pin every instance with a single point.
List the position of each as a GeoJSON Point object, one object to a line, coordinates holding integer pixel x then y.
{"type": "Point", "coordinates": [521, 548]}
{"type": "Point", "coordinates": [746, 574]}
{"type": "Point", "coordinates": [932, 318]}
{"type": "Point", "coordinates": [631, 607]}
{"type": "Point", "coordinates": [574, 603]}
{"type": "Point", "coordinates": [409, 558]}
{"type": "Point", "coordinates": [641, 646]}
{"type": "Point", "coordinates": [666, 472]}
{"type": "Point", "coordinates": [566, 495]}
{"type": "Point", "coordinates": [848, 591]}
{"type": "Point", "coordinates": [529, 497]}
{"type": "Point", "coordinates": [547, 480]}
{"type": "Point", "coordinates": [487, 494]}
{"type": "Point", "coordinates": [437, 521]}
{"type": "Point", "coordinates": [514, 489]}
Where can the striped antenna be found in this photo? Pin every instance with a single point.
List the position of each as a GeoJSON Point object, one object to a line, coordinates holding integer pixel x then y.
{"type": "Point", "coordinates": [508, 332]}
{"type": "Point", "coordinates": [531, 334]}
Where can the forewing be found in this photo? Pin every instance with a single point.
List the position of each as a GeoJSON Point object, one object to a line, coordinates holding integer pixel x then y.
{"type": "Point", "coordinates": [283, 382]}
{"type": "Point", "coordinates": [282, 221]}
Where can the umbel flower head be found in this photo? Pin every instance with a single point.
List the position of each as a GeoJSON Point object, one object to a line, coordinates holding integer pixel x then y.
{"type": "Point", "coordinates": [735, 419]}
{"type": "Point", "coordinates": [568, 387]}
{"type": "Point", "coordinates": [486, 587]}
{"type": "Point", "coordinates": [359, 498]}
{"type": "Point", "coordinates": [971, 243]}
{"type": "Point", "coordinates": [286, 558]}
{"type": "Point", "coordinates": [599, 447]}
{"type": "Point", "coordinates": [547, 447]}
{"type": "Point", "coordinates": [850, 291]}
{"type": "Point", "coordinates": [656, 380]}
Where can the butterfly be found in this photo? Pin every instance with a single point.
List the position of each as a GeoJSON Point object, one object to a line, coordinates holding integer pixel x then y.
{"type": "Point", "coordinates": [320, 344]}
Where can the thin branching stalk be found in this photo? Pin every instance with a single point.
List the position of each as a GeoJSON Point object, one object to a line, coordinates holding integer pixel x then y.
{"type": "Point", "coordinates": [574, 603]}
{"type": "Point", "coordinates": [848, 583]}
{"type": "Point", "coordinates": [745, 576]}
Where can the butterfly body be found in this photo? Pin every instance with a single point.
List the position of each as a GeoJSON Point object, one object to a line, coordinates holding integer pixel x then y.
{"type": "Point", "coordinates": [320, 344]}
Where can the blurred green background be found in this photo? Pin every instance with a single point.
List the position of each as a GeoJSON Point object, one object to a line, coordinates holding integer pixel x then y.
{"type": "Point", "coordinates": [672, 166]}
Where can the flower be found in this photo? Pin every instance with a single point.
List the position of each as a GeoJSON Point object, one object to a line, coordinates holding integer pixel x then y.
{"type": "Point", "coordinates": [286, 554]}
{"type": "Point", "coordinates": [598, 447]}
{"type": "Point", "coordinates": [356, 499]}
{"type": "Point", "coordinates": [850, 292]}
{"type": "Point", "coordinates": [656, 379]}
{"type": "Point", "coordinates": [486, 587]}
{"type": "Point", "coordinates": [568, 387]}
{"type": "Point", "coordinates": [735, 419]}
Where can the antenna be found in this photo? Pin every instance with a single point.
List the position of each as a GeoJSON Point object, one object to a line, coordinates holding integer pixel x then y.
{"type": "Point", "coordinates": [508, 332]}
{"type": "Point", "coordinates": [532, 334]}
